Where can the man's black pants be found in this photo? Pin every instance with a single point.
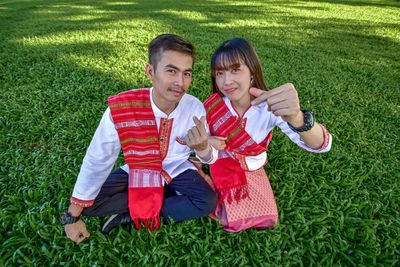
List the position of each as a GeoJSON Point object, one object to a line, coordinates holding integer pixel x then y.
{"type": "Point", "coordinates": [188, 196]}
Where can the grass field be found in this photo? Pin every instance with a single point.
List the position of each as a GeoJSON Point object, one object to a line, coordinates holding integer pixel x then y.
{"type": "Point", "coordinates": [60, 60]}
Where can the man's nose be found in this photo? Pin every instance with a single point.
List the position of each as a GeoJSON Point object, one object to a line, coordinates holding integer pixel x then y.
{"type": "Point", "coordinates": [179, 79]}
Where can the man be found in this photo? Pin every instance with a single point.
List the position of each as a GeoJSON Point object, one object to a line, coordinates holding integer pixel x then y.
{"type": "Point", "coordinates": [154, 127]}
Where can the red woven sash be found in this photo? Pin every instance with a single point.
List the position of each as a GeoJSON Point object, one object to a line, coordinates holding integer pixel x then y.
{"type": "Point", "coordinates": [137, 130]}
{"type": "Point", "coordinates": [229, 173]}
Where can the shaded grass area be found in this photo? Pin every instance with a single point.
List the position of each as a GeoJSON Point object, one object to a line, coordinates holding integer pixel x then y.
{"type": "Point", "coordinates": [59, 60]}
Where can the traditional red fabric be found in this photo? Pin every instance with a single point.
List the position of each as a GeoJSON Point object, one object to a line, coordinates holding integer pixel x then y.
{"type": "Point", "coordinates": [259, 211]}
{"type": "Point", "coordinates": [229, 180]}
{"type": "Point", "coordinates": [137, 130]}
{"type": "Point", "coordinates": [229, 174]}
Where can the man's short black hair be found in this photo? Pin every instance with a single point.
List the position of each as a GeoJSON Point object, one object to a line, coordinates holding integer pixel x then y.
{"type": "Point", "coordinates": [165, 42]}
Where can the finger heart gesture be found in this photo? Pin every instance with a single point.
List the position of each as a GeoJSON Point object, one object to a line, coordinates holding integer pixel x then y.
{"type": "Point", "coordinates": [197, 137]}
{"type": "Point", "coordinates": [282, 101]}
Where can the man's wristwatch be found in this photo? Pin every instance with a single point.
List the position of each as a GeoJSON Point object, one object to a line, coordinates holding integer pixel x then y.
{"type": "Point", "coordinates": [67, 218]}
{"type": "Point", "coordinates": [308, 122]}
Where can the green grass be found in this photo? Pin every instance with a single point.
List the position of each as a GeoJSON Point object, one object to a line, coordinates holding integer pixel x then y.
{"type": "Point", "coordinates": [59, 60]}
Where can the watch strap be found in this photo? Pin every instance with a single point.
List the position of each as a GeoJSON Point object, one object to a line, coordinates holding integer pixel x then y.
{"type": "Point", "coordinates": [67, 218]}
{"type": "Point", "coordinates": [309, 121]}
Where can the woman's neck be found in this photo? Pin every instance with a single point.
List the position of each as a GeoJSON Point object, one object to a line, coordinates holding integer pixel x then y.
{"type": "Point", "coordinates": [242, 105]}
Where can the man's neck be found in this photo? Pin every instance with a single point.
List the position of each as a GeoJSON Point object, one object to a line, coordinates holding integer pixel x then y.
{"type": "Point", "coordinates": [165, 106]}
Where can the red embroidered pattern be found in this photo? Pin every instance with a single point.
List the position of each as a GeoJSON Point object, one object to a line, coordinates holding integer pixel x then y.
{"type": "Point", "coordinates": [138, 134]}
{"type": "Point", "coordinates": [165, 133]}
{"type": "Point", "coordinates": [81, 203]}
{"type": "Point", "coordinates": [229, 173]}
{"type": "Point", "coordinates": [137, 129]}
{"type": "Point", "coordinates": [223, 123]}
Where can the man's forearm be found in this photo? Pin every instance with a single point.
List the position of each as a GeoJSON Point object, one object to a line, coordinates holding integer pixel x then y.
{"type": "Point", "coordinates": [75, 210]}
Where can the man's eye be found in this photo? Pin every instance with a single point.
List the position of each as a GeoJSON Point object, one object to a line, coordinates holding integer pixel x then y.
{"type": "Point", "coordinates": [171, 70]}
{"type": "Point", "coordinates": [188, 74]}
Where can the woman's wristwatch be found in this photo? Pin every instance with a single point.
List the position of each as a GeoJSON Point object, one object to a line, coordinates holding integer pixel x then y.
{"type": "Point", "coordinates": [309, 120]}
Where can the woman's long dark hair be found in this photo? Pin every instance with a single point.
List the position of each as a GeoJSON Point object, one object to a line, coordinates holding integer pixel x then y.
{"type": "Point", "coordinates": [233, 53]}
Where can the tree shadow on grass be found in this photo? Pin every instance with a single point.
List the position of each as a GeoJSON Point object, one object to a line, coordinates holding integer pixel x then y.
{"type": "Point", "coordinates": [380, 4]}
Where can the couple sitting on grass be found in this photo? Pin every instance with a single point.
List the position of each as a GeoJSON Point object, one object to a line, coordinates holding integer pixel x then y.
{"type": "Point", "coordinates": [158, 128]}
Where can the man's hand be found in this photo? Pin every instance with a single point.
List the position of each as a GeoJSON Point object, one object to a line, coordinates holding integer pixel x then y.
{"type": "Point", "coordinates": [205, 176]}
{"type": "Point", "coordinates": [197, 137]}
{"type": "Point", "coordinates": [76, 231]}
{"type": "Point", "coordinates": [218, 142]}
{"type": "Point", "coordinates": [282, 101]}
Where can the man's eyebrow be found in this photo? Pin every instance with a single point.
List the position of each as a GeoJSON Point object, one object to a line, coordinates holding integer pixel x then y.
{"type": "Point", "coordinates": [176, 68]}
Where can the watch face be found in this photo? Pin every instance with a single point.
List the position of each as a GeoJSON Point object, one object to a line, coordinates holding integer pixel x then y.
{"type": "Point", "coordinates": [66, 218]}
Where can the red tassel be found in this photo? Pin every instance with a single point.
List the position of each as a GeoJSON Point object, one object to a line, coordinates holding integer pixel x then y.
{"type": "Point", "coordinates": [149, 223]}
{"type": "Point", "coordinates": [235, 193]}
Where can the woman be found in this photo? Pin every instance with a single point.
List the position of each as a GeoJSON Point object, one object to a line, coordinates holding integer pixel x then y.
{"type": "Point", "coordinates": [241, 115]}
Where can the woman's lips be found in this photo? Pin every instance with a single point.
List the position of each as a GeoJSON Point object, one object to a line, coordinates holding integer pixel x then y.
{"type": "Point", "coordinates": [229, 90]}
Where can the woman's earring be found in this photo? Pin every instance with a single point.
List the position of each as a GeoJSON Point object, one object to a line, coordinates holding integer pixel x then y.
{"type": "Point", "coordinates": [251, 80]}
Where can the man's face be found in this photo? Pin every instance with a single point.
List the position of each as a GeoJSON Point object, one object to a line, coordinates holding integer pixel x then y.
{"type": "Point", "coordinates": [171, 79]}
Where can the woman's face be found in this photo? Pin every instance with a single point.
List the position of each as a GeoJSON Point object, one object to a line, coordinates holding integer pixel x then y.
{"type": "Point", "coordinates": [234, 82]}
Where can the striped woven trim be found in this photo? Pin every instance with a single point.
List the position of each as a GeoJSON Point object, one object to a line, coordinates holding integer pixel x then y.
{"type": "Point", "coordinates": [81, 203]}
{"type": "Point", "coordinates": [249, 142]}
{"type": "Point", "coordinates": [135, 163]}
{"type": "Point", "coordinates": [136, 104]}
{"type": "Point", "coordinates": [213, 101]}
{"type": "Point", "coordinates": [140, 140]}
{"type": "Point", "coordinates": [139, 178]}
{"type": "Point", "coordinates": [143, 113]}
{"type": "Point", "coordinates": [136, 123]}
{"type": "Point", "coordinates": [223, 154]}
{"type": "Point", "coordinates": [234, 133]}
{"type": "Point", "coordinates": [220, 121]}
{"type": "Point", "coordinates": [141, 153]}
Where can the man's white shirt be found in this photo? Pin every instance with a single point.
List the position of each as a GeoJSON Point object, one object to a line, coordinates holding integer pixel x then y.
{"type": "Point", "coordinates": [105, 147]}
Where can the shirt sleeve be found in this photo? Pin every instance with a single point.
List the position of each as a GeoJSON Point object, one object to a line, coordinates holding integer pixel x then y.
{"type": "Point", "coordinates": [296, 138]}
{"type": "Point", "coordinates": [213, 159]}
{"type": "Point", "coordinates": [98, 162]}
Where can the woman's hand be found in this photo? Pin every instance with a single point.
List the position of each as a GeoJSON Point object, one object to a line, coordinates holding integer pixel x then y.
{"type": "Point", "coordinates": [282, 101]}
{"type": "Point", "coordinates": [218, 142]}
